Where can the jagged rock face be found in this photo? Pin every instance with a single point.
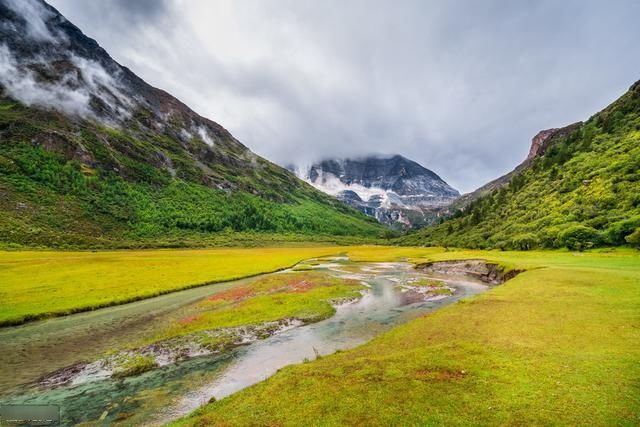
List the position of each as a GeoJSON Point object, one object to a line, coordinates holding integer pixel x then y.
{"type": "Point", "coordinates": [544, 138]}
{"type": "Point", "coordinates": [537, 143]}
{"type": "Point", "coordinates": [395, 190]}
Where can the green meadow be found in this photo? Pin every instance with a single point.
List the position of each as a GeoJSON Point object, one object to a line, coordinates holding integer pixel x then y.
{"type": "Point", "coordinates": [44, 284]}
{"type": "Point", "coordinates": [558, 344]}
{"type": "Point", "coordinates": [305, 296]}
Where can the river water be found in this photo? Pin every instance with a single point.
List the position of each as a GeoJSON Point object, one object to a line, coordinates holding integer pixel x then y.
{"type": "Point", "coordinates": [167, 393]}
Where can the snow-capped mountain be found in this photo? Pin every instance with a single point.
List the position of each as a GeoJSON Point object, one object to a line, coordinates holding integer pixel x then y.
{"type": "Point", "coordinates": [394, 190]}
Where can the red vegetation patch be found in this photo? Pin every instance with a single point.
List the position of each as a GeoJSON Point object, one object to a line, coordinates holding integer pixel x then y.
{"type": "Point", "coordinates": [188, 319]}
{"type": "Point", "coordinates": [300, 285]}
{"type": "Point", "coordinates": [235, 294]}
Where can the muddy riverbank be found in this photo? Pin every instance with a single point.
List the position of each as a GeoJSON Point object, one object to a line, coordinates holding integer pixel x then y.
{"type": "Point", "coordinates": [486, 272]}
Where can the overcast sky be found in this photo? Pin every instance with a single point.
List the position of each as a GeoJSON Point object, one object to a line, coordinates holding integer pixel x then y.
{"type": "Point", "coordinates": [459, 86]}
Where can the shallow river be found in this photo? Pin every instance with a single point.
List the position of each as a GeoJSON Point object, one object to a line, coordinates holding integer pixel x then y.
{"type": "Point", "coordinates": [163, 394]}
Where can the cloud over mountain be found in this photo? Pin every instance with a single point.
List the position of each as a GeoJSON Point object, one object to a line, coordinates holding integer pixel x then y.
{"type": "Point", "coordinates": [460, 87]}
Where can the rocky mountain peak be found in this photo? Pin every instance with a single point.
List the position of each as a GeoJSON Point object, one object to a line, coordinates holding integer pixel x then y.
{"type": "Point", "coordinates": [393, 189]}
{"type": "Point", "coordinates": [47, 62]}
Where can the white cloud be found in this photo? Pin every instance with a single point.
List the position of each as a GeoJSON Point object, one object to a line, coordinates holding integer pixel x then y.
{"type": "Point", "coordinates": [74, 88]}
{"type": "Point", "coordinates": [72, 93]}
{"type": "Point", "coordinates": [35, 16]}
{"type": "Point", "coordinates": [458, 86]}
{"type": "Point", "coordinates": [21, 84]}
{"type": "Point", "coordinates": [204, 135]}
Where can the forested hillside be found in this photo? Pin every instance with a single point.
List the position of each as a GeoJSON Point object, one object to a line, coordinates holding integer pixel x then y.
{"type": "Point", "coordinates": [91, 155]}
{"type": "Point", "coordinates": [120, 199]}
{"type": "Point", "coordinates": [582, 191]}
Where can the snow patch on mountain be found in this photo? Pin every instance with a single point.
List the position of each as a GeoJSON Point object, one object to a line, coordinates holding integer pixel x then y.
{"type": "Point", "coordinates": [395, 190]}
{"type": "Point", "coordinates": [331, 184]}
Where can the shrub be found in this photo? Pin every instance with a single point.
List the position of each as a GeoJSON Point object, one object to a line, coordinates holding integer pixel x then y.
{"type": "Point", "coordinates": [525, 241]}
{"type": "Point", "coordinates": [634, 238]}
{"type": "Point", "coordinates": [617, 231]}
{"type": "Point", "coordinates": [501, 245]}
{"type": "Point", "coordinates": [579, 237]}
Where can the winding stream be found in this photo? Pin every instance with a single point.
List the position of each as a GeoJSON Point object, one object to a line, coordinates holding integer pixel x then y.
{"type": "Point", "coordinates": [167, 393]}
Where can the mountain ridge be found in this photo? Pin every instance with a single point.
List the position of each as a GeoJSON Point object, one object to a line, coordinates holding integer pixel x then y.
{"type": "Point", "coordinates": [93, 155]}
{"type": "Point", "coordinates": [579, 187]}
{"type": "Point", "coordinates": [539, 143]}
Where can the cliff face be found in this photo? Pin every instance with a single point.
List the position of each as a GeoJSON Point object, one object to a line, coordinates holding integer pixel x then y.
{"type": "Point", "coordinates": [537, 143]}
{"type": "Point", "coordinates": [394, 190]}
{"type": "Point", "coordinates": [544, 138]}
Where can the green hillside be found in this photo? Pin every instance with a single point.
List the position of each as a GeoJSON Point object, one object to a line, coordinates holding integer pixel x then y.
{"type": "Point", "coordinates": [583, 191]}
{"type": "Point", "coordinates": [71, 182]}
{"type": "Point", "coordinates": [93, 156]}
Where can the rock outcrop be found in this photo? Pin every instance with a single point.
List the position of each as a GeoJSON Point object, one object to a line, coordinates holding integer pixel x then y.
{"type": "Point", "coordinates": [487, 272]}
{"type": "Point", "coordinates": [544, 138]}
{"type": "Point", "coordinates": [537, 143]}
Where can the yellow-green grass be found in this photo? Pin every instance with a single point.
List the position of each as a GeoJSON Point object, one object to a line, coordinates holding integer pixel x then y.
{"type": "Point", "coordinates": [134, 365]}
{"type": "Point", "coordinates": [557, 345]}
{"type": "Point", "coordinates": [40, 284]}
{"type": "Point", "coordinates": [428, 283]}
{"type": "Point", "coordinates": [304, 296]}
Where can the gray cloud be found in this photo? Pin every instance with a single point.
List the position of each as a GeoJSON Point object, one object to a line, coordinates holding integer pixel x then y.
{"type": "Point", "coordinates": [459, 86]}
{"type": "Point", "coordinates": [112, 16]}
{"type": "Point", "coordinates": [35, 16]}
{"type": "Point", "coordinates": [74, 89]}
{"type": "Point", "coordinates": [138, 10]}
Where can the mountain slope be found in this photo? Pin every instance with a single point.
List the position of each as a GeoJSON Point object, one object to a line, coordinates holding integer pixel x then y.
{"type": "Point", "coordinates": [539, 144]}
{"type": "Point", "coordinates": [580, 187]}
{"type": "Point", "coordinates": [93, 155]}
{"type": "Point", "coordinates": [395, 190]}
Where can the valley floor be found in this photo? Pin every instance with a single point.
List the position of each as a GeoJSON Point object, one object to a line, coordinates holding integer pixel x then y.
{"type": "Point", "coordinates": [557, 345]}
{"type": "Point", "coordinates": [47, 284]}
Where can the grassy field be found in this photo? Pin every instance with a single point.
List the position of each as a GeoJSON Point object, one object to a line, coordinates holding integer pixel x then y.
{"type": "Point", "coordinates": [304, 296]}
{"type": "Point", "coordinates": [41, 284]}
{"type": "Point", "coordinates": [557, 345]}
